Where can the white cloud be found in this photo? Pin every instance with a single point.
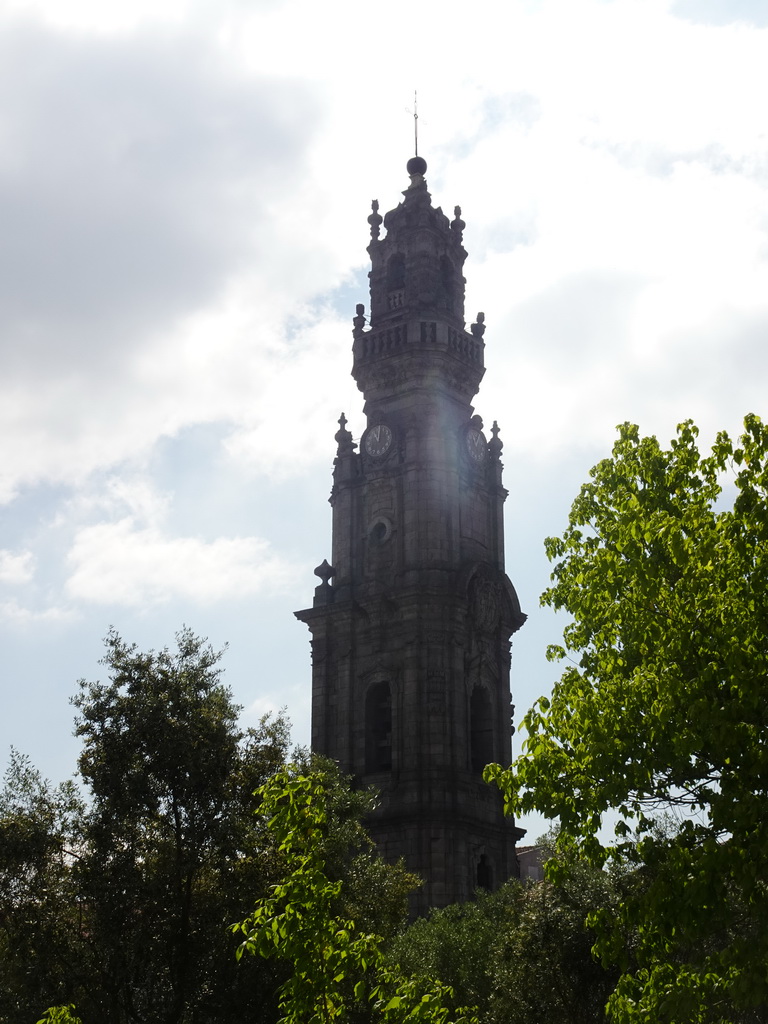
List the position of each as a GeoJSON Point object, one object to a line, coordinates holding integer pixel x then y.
{"type": "Point", "coordinates": [265, 704]}
{"type": "Point", "coordinates": [15, 614]}
{"type": "Point", "coordinates": [288, 409]}
{"type": "Point", "coordinates": [722, 12]}
{"type": "Point", "coordinates": [119, 495]}
{"type": "Point", "coordinates": [16, 568]}
{"type": "Point", "coordinates": [139, 182]}
{"type": "Point", "coordinates": [99, 17]}
{"type": "Point", "coordinates": [118, 563]}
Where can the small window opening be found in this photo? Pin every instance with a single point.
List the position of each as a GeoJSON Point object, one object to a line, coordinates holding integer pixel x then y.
{"type": "Point", "coordinates": [379, 532]}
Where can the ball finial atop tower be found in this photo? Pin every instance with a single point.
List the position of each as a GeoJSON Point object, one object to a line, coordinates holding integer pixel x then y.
{"type": "Point", "coordinates": [416, 165]}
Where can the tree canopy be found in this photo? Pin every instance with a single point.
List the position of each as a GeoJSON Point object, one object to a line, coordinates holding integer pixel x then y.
{"type": "Point", "coordinates": [171, 848]}
{"type": "Point", "coordinates": [120, 901]}
{"type": "Point", "coordinates": [663, 570]}
{"type": "Point", "coordinates": [339, 971]}
{"type": "Point", "coordinates": [522, 953]}
{"type": "Point", "coordinates": [40, 832]}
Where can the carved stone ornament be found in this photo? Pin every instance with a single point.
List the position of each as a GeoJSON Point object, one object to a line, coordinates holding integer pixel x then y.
{"type": "Point", "coordinates": [396, 374]}
{"type": "Point", "coordinates": [375, 219]}
{"type": "Point", "coordinates": [486, 607]}
{"type": "Point", "coordinates": [478, 328]}
{"type": "Point", "coordinates": [463, 381]}
{"type": "Point", "coordinates": [343, 438]}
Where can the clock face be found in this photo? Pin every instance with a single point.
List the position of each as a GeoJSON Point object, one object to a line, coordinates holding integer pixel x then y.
{"type": "Point", "coordinates": [477, 446]}
{"type": "Point", "coordinates": [378, 440]}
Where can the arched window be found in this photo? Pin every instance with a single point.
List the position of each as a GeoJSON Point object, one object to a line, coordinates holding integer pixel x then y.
{"type": "Point", "coordinates": [480, 729]}
{"type": "Point", "coordinates": [378, 728]}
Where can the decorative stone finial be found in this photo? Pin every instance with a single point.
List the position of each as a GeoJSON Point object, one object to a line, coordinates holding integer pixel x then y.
{"type": "Point", "coordinates": [417, 165]}
{"type": "Point", "coordinates": [478, 329]}
{"type": "Point", "coordinates": [358, 321]}
{"type": "Point", "coordinates": [324, 593]}
{"type": "Point", "coordinates": [495, 444]}
{"type": "Point", "coordinates": [342, 433]}
{"type": "Point", "coordinates": [375, 219]}
{"type": "Point", "coordinates": [325, 571]}
{"type": "Point", "coordinates": [344, 438]}
{"type": "Point", "coordinates": [457, 224]}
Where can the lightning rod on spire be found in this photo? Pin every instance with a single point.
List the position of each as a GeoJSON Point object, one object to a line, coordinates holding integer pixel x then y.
{"type": "Point", "coordinates": [415, 124]}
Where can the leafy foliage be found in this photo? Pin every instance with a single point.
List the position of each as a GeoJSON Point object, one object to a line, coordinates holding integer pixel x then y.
{"type": "Point", "coordinates": [373, 893]}
{"type": "Point", "coordinates": [338, 970]}
{"type": "Point", "coordinates": [40, 916]}
{"type": "Point", "coordinates": [173, 851]}
{"type": "Point", "coordinates": [60, 1015]}
{"type": "Point", "coordinates": [544, 965]}
{"type": "Point", "coordinates": [522, 953]}
{"type": "Point", "coordinates": [458, 944]}
{"type": "Point", "coordinates": [122, 905]}
{"type": "Point", "coordinates": [663, 707]}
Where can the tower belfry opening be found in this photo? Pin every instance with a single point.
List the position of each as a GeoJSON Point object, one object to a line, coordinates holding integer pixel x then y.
{"type": "Point", "coordinates": [411, 624]}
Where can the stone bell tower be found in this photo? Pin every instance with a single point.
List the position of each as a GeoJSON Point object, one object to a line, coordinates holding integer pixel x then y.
{"type": "Point", "coordinates": [411, 623]}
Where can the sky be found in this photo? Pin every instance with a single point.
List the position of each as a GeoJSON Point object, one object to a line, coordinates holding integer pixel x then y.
{"type": "Point", "coordinates": [184, 187]}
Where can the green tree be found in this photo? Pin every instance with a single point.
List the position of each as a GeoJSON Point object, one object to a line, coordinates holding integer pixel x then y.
{"type": "Point", "coordinates": [543, 966]}
{"type": "Point", "coordinates": [339, 972]}
{"type": "Point", "coordinates": [523, 953]}
{"type": "Point", "coordinates": [40, 914]}
{"type": "Point", "coordinates": [172, 852]}
{"type": "Point", "coordinates": [458, 944]}
{"type": "Point", "coordinates": [663, 569]}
